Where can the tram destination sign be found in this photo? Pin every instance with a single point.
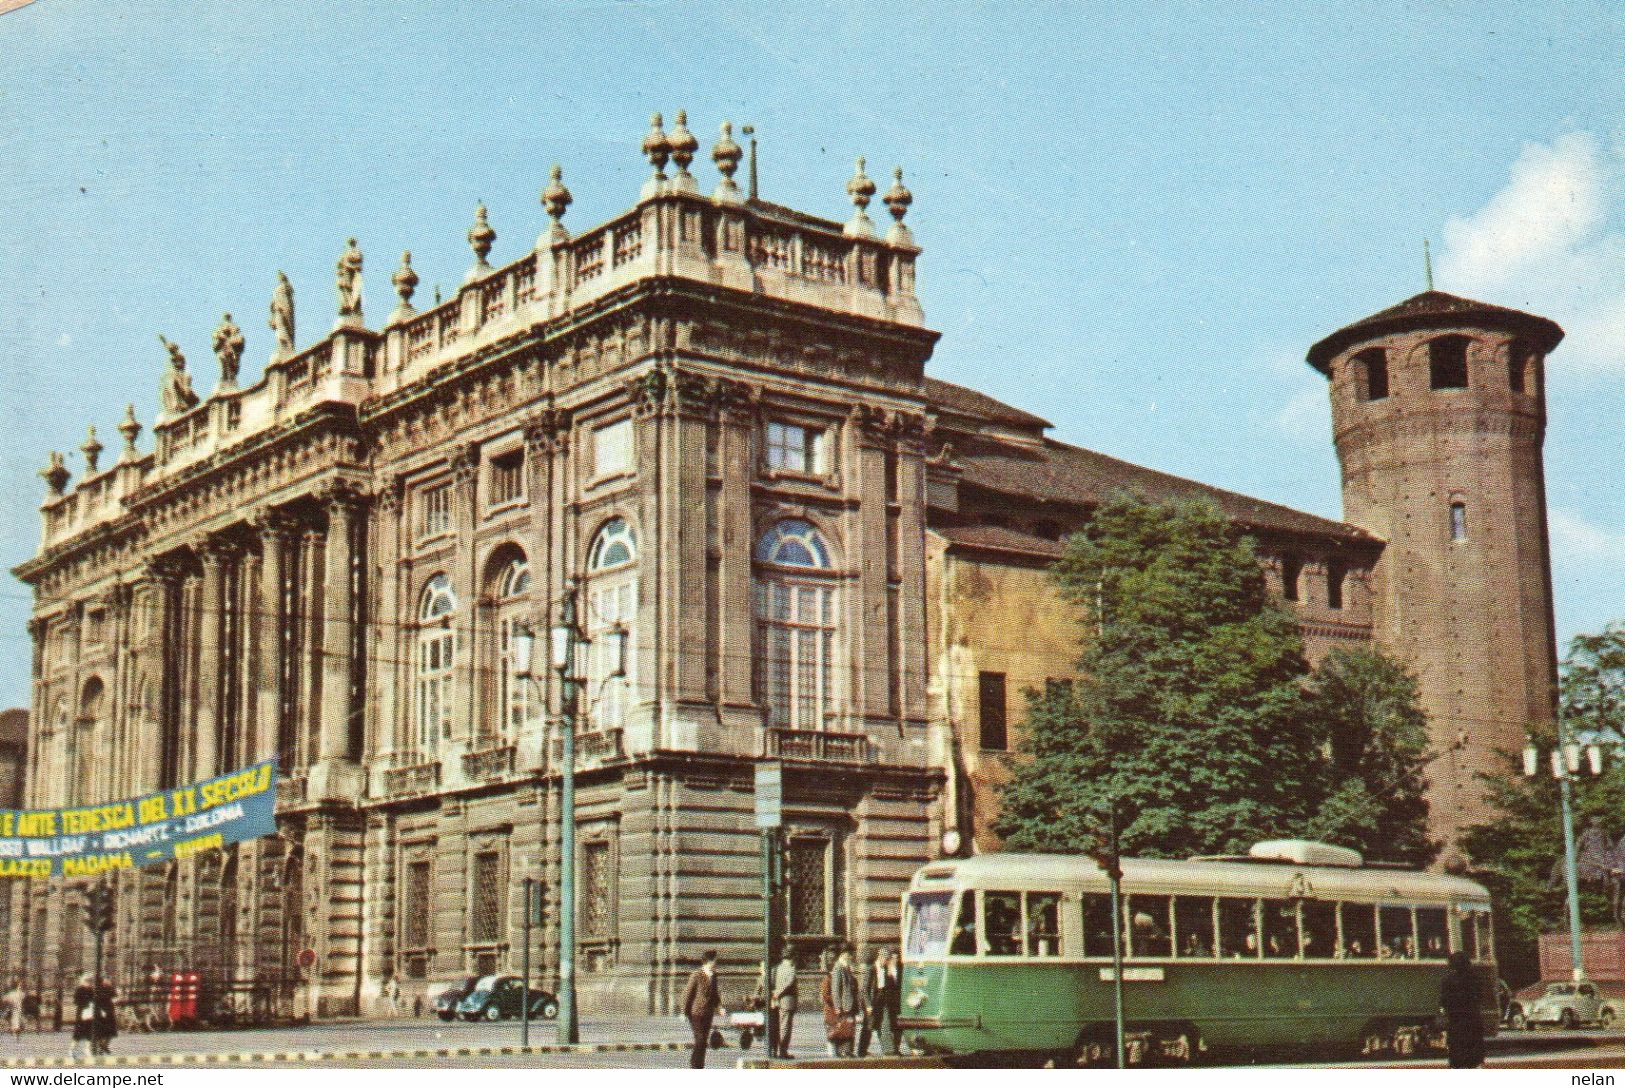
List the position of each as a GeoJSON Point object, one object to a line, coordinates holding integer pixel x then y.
{"type": "Point", "coordinates": [150, 830]}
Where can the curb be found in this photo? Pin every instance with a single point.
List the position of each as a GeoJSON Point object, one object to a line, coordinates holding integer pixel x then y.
{"type": "Point", "coordinates": [337, 1056]}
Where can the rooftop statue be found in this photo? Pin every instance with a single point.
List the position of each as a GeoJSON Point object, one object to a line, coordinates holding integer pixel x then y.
{"type": "Point", "coordinates": [282, 315]}
{"type": "Point", "coordinates": [175, 392]}
{"type": "Point", "coordinates": [228, 348]}
{"type": "Point", "coordinates": [349, 281]}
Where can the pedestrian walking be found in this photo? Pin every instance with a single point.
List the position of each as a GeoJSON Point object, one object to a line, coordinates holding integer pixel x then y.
{"type": "Point", "coordinates": [104, 1018]}
{"type": "Point", "coordinates": [1462, 1005]}
{"type": "Point", "coordinates": [887, 1000]}
{"type": "Point", "coordinates": [392, 996]}
{"type": "Point", "coordinates": [16, 998]}
{"type": "Point", "coordinates": [785, 1000]}
{"type": "Point", "coordinates": [702, 1002]}
{"type": "Point", "coordinates": [840, 996]}
{"type": "Point", "coordinates": [84, 1018]}
{"type": "Point", "coordinates": [867, 973]}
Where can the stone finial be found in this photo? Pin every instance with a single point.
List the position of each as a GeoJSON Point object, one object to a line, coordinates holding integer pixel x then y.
{"type": "Point", "coordinates": [349, 284]}
{"type": "Point", "coordinates": [726, 154]}
{"type": "Point", "coordinates": [406, 285]}
{"type": "Point", "coordinates": [56, 474]}
{"type": "Point", "coordinates": [657, 147]}
{"type": "Point", "coordinates": [861, 189]}
{"type": "Point", "coordinates": [683, 145]}
{"type": "Point", "coordinates": [130, 428]}
{"type": "Point", "coordinates": [282, 316]}
{"type": "Point", "coordinates": [480, 237]}
{"type": "Point", "coordinates": [228, 349]}
{"type": "Point", "coordinates": [92, 449]}
{"type": "Point", "coordinates": [556, 199]}
{"type": "Point", "coordinates": [898, 199]}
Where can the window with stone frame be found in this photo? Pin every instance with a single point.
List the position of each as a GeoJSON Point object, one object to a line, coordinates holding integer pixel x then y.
{"type": "Point", "coordinates": [437, 652]}
{"type": "Point", "coordinates": [507, 479]}
{"type": "Point", "coordinates": [434, 511]}
{"type": "Point", "coordinates": [611, 606]}
{"type": "Point", "coordinates": [992, 704]}
{"type": "Point", "coordinates": [815, 885]}
{"type": "Point", "coordinates": [516, 702]}
{"type": "Point", "coordinates": [488, 886]}
{"type": "Point", "coordinates": [795, 606]}
{"type": "Point", "coordinates": [597, 890]}
{"type": "Point", "coordinates": [416, 911]}
{"type": "Point", "coordinates": [793, 447]}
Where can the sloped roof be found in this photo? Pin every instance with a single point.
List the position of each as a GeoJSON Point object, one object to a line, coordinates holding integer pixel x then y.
{"type": "Point", "coordinates": [968, 402]}
{"type": "Point", "coordinates": [1059, 473]}
{"type": "Point", "coordinates": [996, 538]}
{"type": "Point", "coordinates": [1436, 309]}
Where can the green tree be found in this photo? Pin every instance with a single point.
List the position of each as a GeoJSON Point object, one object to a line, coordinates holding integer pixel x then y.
{"type": "Point", "coordinates": [1192, 707]}
{"type": "Point", "coordinates": [1518, 854]}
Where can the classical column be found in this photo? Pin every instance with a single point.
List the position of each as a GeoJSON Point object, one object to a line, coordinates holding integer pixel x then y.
{"type": "Point", "coordinates": [160, 768]}
{"type": "Point", "coordinates": [276, 532]}
{"type": "Point", "coordinates": [211, 609]}
{"type": "Point", "coordinates": [307, 669]}
{"type": "Point", "coordinates": [338, 634]}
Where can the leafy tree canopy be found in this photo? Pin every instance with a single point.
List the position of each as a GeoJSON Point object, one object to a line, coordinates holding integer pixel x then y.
{"type": "Point", "coordinates": [1196, 707]}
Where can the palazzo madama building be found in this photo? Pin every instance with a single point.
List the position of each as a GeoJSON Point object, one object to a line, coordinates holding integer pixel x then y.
{"type": "Point", "coordinates": [709, 420]}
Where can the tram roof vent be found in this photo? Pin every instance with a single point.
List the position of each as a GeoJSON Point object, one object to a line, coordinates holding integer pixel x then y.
{"type": "Point", "coordinates": [1306, 852]}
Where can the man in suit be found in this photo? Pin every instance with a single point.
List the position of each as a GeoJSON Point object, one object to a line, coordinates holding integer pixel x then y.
{"type": "Point", "coordinates": [784, 997]}
{"type": "Point", "coordinates": [702, 1001]}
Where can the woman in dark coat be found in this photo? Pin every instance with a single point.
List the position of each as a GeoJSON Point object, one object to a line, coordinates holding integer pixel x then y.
{"type": "Point", "coordinates": [1463, 1008]}
{"type": "Point", "coordinates": [104, 1024]}
{"type": "Point", "coordinates": [84, 1018]}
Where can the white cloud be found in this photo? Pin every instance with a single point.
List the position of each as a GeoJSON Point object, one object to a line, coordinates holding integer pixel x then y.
{"type": "Point", "coordinates": [1546, 243]}
{"type": "Point", "coordinates": [65, 340]}
{"type": "Point", "coordinates": [1576, 540]}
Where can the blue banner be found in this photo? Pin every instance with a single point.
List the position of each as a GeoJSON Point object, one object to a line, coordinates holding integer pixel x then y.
{"type": "Point", "coordinates": [177, 823]}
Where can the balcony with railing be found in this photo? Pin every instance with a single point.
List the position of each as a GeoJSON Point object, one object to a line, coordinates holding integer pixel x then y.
{"type": "Point", "coordinates": [412, 776]}
{"type": "Point", "coordinates": [780, 743]}
{"type": "Point", "coordinates": [489, 764]}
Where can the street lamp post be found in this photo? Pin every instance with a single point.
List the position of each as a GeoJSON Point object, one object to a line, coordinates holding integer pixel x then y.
{"type": "Point", "coordinates": [1566, 763]}
{"type": "Point", "coordinates": [567, 655]}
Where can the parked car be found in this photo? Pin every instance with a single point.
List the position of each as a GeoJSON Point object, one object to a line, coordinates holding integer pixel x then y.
{"type": "Point", "coordinates": [497, 997]}
{"type": "Point", "coordinates": [447, 1000]}
{"type": "Point", "coordinates": [1573, 1004]}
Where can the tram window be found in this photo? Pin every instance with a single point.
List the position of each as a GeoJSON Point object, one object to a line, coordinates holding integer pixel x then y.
{"type": "Point", "coordinates": [1001, 913]}
{"type": "Point", "coordinates": [1359, 931]}
{"type": "Point", "coordinates": [964, 942]}
{"type": "Point", "coordinates": [1044, 923]}
{"type": "Point", "coordinates": [928, 923]}
{"type": "Point", "coordinates": [1280, 929]}
{"type": "Point", "coordinates": [1486, 940]}
{"type": "Point", "coordinates": [1432, 934]}
{"type": "Point", "coordinates": [1319, 930]}
{"type": "Point", "coordinates": [1238, 932]}
{"type": "Point", "coordinates": [1149, 917]}
{"type": "Point", "coordinates": [1398, 933]}
{"type": "Point", "coordinates": [1097, 925]}
{"type": "Point", "coordinates": [1469, 935]}
{"type": "Point", "coordinates": [1193, 926]}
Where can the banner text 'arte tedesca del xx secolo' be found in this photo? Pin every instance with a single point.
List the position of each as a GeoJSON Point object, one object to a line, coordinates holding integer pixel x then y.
{"type": "Point", "coordinates": [94, 839]}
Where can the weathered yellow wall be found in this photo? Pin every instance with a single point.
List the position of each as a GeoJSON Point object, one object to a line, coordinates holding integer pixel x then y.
{"type": "Point", "coordinates": [988, 614]}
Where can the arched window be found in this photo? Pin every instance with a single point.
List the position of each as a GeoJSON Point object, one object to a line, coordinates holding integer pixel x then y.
{"type": "Point", "coordinates": [437, 650]}
{"type": "Point", "coordinates": [795, 626]}
{"type": "Point", "coordinates": [612, 600]}
{"type": "Point", "coordinates": [89, 766]}
{"type": "Point", "coordinates": [515, 701]}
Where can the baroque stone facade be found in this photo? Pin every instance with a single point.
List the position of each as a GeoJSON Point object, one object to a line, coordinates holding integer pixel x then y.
{"type": "Point", "coordinates": [708, 419]}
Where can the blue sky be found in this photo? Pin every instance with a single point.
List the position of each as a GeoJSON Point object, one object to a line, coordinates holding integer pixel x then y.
{"type": "Point", "coordinates": [1136, 217]}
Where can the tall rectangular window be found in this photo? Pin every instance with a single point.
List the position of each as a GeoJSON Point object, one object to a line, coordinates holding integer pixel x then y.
{"type": "Point", "coordinates": [1335, 575]}
{"type": "Point", "coordinates": [1447, 362]}
{"type": "Point", "coordinates": [793, 448]}
{"type": "Point", "coordinates": [612, 449]}
{"type": "Point", "coordinates": [1375, 361]}
{"type": "Point", "coordinates": [1291, 571]}
{"type": "Point", "coordinates": [415, 901]}
{"type": "Point", "coordinates": [508, 478]}
{"type": "Point", "coordinates": [434, 511]}
{"type": "Point", "coordinates": [816, 899]}
{"type": "Point", "coordinates": [487, 898]}
{"type": "Point", "coordinates": [597, 891]}
{"type": "Point", "coordinates": [991, 702]}
{"type": "Point", "coordinates": [1458, 521]}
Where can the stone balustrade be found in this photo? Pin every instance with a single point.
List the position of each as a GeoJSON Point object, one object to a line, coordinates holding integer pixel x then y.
{"type": "Point", "coordinates": [809, 744]}
{"type": "Point", "coordinates": [489, 764]}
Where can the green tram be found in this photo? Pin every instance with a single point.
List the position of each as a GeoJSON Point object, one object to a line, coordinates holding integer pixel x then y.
{"type": "Point", "coordinates": [1297, 945]}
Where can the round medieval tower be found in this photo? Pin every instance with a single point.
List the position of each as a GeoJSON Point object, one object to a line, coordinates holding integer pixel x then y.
{"type": "Point", "coordinates": [1439, 414]}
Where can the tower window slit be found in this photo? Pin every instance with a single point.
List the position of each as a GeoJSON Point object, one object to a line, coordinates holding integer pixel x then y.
{"type": "Point", "coordinates": [1458, 521]}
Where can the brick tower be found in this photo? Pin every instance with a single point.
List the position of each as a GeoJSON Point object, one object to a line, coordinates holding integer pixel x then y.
{"type": "Point", "coordinates": [1439, 414]}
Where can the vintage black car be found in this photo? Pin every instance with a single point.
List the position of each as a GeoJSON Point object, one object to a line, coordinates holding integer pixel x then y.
{"type": "Point", "coordinates": [496, 997]}
{"type": "Point", "coordinates": [447, 1000]}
